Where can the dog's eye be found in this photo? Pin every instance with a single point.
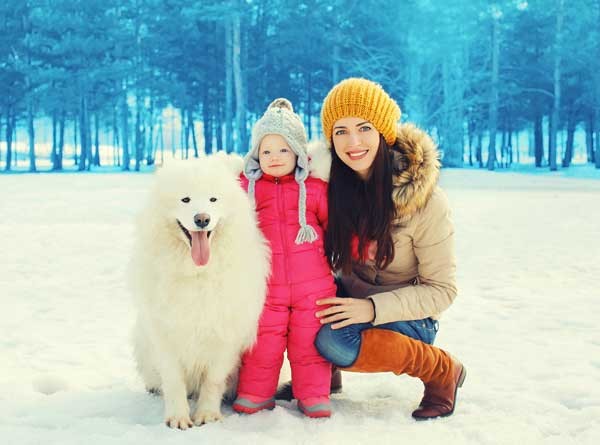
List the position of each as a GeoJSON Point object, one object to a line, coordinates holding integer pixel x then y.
{"type": "Point", "coordinates": [186, 199]}
{"type": "Point", "coordinates": [213, 199]}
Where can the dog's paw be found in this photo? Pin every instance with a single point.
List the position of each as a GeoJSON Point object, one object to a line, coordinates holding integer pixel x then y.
{"type": "Point", "coordinates": [180, 422]}
{"type": "Point", "coordinates": [202, 417]}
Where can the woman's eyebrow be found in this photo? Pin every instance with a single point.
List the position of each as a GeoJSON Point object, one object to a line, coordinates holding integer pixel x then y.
{"type": "Point", "coordinates": [357, 125]}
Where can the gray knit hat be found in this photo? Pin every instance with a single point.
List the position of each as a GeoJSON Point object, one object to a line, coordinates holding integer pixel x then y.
{"type": "Point", "coordinates": [280, 119]}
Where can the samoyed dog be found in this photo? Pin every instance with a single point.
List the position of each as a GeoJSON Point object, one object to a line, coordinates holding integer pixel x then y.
{"type": "Point", "coordinates": [198, 276]}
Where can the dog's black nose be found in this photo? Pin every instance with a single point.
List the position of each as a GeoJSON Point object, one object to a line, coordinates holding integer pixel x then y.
{"type": "Point", "coordinates": [202, 220]}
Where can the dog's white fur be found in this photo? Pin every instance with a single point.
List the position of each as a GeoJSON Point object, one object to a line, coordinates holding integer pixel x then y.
{"type": "Point", "coordinates": [193, 322]}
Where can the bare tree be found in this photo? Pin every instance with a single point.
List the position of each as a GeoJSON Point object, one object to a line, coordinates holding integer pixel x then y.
{"type": "Point", "coordinates": [560, 6]}
{"type": "Point", "coordinates": [493, 110]}
{"type": "Point", "coordinates": [240, 87]}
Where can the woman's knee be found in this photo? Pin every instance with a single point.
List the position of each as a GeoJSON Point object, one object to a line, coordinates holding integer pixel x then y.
{"type": "Point", "coordinates": [338, 346]}
{"type": "Point", "coordinates": [324, 340]}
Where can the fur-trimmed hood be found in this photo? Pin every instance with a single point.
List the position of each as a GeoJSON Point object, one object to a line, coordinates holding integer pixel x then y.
{"type": "Point", "coordinates": [416, 169]}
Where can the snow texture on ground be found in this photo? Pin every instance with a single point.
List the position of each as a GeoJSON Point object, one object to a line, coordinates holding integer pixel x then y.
{"type": "Point", "coordinates": [524, 323]}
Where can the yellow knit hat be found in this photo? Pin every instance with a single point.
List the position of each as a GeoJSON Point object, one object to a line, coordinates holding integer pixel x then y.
{"type": "Point", "coordinates": [357, 97]}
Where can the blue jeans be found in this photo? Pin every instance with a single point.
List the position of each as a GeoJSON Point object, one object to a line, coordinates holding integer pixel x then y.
{"type": "Point", "coordinates": [341, 346]}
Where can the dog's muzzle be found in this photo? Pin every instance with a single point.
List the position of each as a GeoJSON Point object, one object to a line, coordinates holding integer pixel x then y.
{"type": "Point", "coordinates": [202, 220]}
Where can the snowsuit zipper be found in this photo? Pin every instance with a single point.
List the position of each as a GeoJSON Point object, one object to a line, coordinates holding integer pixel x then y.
{"type": "Point", "coordinates": [282, 228]}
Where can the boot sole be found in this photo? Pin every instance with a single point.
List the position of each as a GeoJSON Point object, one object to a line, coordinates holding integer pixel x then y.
{"type": "Point", "coordinates": [241, 409]}
{"type": "Point", "coordinates": [459, 384]}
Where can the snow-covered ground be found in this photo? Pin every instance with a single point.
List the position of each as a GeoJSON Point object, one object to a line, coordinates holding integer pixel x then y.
{"type": "Point", "coordinates": [525, 323]}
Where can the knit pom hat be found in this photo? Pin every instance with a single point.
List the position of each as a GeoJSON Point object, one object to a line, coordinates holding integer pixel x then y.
{"type": "Point", "coordinates": [280, 119]}
{"type": "Point", "coordinates": [357, 97]}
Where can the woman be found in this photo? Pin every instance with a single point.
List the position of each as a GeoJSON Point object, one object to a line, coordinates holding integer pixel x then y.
{"type": "Point", "coordinates": [390, 239]}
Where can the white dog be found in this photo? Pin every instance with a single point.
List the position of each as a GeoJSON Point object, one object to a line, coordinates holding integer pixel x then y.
{"type": "Point", "coordinates": [199, 275]}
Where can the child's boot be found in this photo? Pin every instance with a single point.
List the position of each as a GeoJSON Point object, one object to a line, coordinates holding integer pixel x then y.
{"type": "Point", "coordinates": [249, 404]}
{"type": "Point", "coordinates": [315, 407]}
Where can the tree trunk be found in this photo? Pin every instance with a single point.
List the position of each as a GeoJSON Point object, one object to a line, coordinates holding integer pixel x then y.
{"type": "Point", "coordinates": [479, 151]}
{"type": "Point", "coordinates": [54, 152]}
{"type": "Point", "coordinates": [240, 88]}
{"type": "Point", "coordinates": [335, 62]}
{"type": "Point", "coordinates": [518, 148]}
{"type": "Point", "coordinates": [596, 114]}
{"type": "Point", "coordinates": [510, 147]}
{"type": "Point", "coordinates": [538, 137]}
{"type": "Point", "coordinates": [452, 130]}
{"type": "Point", "coordinates": [557, 78]}
{"type": "Point", "coordinates": [493, 113]}
{"type": "Point", "coordinates": [589, 138]}
{"type": "Point", "coordinates": [193, 132]}
{"type": "Point", "coordinates": [568, 157]}
{"type": "Point", "coordinates": [75, 140]}
{"type": "Point", "coordinates": [61, 140]}
{"type": "Point", "coordinates": [218, 122]}
{"type": "Point", "coordinates": [229, 86]}
{"type": "Point", "coordinates": [31, 133]}
{"type": "Point", "coordinates": [503, 162]}
{"type": "Point", "coordinates": [597, 143]}
{"type": "Point", "coordinates": [125, 131]}
{"type": "Point", "coordinates": [115, 130]}
{"type": "Point", "coordinates": [83, 159]}
{"type": "Point", "coordinates": [162, 141]}
{"type": "Point", "coordinates": [183, 135]}
{"type": "Point", "coordinates": [9, 134]}
{"type": "Point", "coordinates": [139, 139]}
{"type": "Point", "coordinates": [96, 140]}
{"type": "Point", "coordinates": [308, 111]}
{"type": "Point", "coordinates": [185, 121]}
{"type": "Point", "coordinates": [470, 137]}
{"type": "Point", "coordinates": [150, 145]}
{"type": "Point", "coordinates": [207, 124]}
{"type": "Point", "coordinates": [0, 133]}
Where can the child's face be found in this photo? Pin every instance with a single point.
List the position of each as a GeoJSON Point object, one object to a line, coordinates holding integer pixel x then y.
{"type": "Point", "coordinates": [275, 156]}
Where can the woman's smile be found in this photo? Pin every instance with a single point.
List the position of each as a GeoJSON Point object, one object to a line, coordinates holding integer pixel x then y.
{"type": "Point", "coordinates": [356, 155]}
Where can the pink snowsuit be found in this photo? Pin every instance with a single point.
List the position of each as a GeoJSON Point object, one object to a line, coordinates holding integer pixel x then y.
{"type": "Point", "coordinates": [300, 275]}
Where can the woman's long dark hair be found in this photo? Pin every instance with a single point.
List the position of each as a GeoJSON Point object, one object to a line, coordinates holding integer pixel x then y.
{"type": "Point", "coordinates": [362, 208]}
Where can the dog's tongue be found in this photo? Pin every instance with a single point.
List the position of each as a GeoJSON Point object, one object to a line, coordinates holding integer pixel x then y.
{"type": "Point", "coordinates": [200, 248]}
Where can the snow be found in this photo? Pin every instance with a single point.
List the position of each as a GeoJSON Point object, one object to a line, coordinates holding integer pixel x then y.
{"type": "Point", "coordinates": [524, 323]}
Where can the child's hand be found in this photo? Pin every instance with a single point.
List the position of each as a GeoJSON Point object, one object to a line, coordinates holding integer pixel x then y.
{"type": "Point", "coordinates": [348, 310]}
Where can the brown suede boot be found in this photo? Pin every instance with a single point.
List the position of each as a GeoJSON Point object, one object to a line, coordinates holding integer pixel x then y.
{"type": "Point", "coordinates": [284, 392]}
{"type": "Point", "coordinates": [382, 350]}
{"type": "Point", "coordinates": [440, 400]}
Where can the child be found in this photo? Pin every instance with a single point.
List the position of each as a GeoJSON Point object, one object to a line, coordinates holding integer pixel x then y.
{"type": "Point", "coordinates": [292, 214]}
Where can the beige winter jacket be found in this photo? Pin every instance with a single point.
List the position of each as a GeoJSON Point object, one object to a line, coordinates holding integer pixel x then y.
{"type": "Point", "coordinates": [420, 282]}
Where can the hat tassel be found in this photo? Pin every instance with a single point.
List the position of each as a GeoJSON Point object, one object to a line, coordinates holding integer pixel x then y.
{"type": "Point", "coordinates": [306, 234]}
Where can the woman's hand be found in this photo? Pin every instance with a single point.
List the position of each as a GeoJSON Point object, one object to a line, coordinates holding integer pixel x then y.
{"type": "Point", "coordinates": [346, 311]}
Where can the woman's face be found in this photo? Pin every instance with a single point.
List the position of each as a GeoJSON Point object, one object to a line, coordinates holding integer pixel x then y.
{"type": "Point", "coordinates": [356, 142]}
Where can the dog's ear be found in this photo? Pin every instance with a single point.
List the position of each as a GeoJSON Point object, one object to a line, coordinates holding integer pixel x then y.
{"type": "Point", "coordinates": [234, 162]}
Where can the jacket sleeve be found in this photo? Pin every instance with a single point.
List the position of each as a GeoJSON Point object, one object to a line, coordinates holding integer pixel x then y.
{"type": "Point", "coordinates": [243, 182]}
{"type": "Point", "coordinates": [322, 209]}
{"type": "Point", "coordinates": [435, 287]}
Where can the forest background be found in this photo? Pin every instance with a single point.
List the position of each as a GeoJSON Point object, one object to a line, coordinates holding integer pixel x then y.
{"type": "Point", "coordinates": [120, 84]}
